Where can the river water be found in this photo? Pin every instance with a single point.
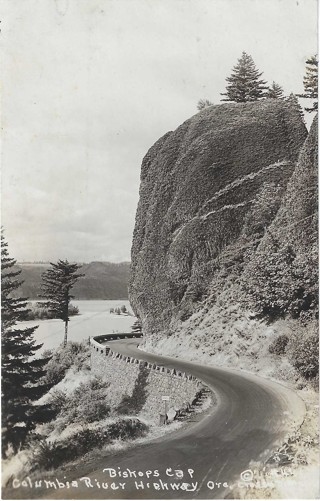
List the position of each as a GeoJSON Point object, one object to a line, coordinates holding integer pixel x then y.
{"type": "Point", "coordinates": [94, 319]}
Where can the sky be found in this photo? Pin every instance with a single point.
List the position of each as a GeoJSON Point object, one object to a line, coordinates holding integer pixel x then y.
{"type": "Point", "coordinates": [89, 85]}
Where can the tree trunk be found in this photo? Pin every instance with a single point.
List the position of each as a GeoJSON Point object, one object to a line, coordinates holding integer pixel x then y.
{"type": "Point", "coordinates": [65, 333]}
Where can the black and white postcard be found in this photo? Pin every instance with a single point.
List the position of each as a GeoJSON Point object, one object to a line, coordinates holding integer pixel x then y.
{"type": "Point", "coordinates": [159, 249]}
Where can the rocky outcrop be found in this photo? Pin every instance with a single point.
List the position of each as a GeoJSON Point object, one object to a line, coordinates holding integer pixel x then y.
{"type": "Point", "coordinates": [198, 186]}
{"type": "Point", "coordinates": [282, 277]}
{"type": "Point", "coordinates": [297, 220]}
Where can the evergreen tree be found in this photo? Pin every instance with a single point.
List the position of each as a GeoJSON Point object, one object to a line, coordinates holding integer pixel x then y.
{"type": "Point", "coordinates": [137, 327]}
{"type": "Point", "coordinates": [294, 101]}
{"type": "Point", "coordinates": [204, 103]}
{"type": "Point", "coordinates": [21, 372]}
{"type": "Point", "coordinates": [245, 84]}
{"type": "Point", "coordinates": [310, 83]}
{"type": "Point", "coordinates": [57, 283]}
{"type": "Point", "coordinates": [275, 91]}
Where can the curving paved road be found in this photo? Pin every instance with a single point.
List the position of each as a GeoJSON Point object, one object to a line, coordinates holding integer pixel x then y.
{"type": "Point", "coordinates": [252, 415]}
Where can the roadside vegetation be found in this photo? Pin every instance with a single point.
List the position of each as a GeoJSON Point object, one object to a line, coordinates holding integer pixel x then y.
{"type": "Point", "coordinates": [55, 411]}
{"type": "Point", "coordinates": [83, 415]}
{"type": "Point", "coordinates": [88, 415]}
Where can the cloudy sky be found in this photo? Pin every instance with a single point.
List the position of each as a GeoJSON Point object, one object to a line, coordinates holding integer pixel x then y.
{"type": "Point", "coordinates": [90, 85]}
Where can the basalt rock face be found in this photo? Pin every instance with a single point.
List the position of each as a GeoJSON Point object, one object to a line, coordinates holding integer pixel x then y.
{"type": "Point", "coordinates": [297, 220]}
{"type": "Point", "coordinates": [281, 277]}
{"type": "Point", "coordinates": [198, 184]}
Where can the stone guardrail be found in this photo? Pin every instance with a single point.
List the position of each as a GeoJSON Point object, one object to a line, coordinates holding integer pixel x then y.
{"type": "Point", "coordinates": [95, 344]}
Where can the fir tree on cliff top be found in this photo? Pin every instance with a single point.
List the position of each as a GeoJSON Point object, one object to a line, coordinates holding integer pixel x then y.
{"type": "Point", "coordinates": [245, 83]}
{"type": "Point", "coordinates": [21, 372]}
{"type": "Point", "coordinates": [310, 83]}
{"type": "Point", "coordinates": [275, 91]}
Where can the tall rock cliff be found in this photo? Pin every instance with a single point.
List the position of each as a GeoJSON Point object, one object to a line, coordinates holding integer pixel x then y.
{"type": "Point", "coordinates": [281, 277]}
{"type": "Point", "coordinates": [200, 191]}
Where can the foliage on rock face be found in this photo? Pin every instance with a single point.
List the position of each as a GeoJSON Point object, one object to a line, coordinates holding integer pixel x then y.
{"type": "Point", "coordinates": [281, 278]}
{"type": "Point", "coordinates": [21, 372]}
{"type": "Point", "coordinates": [245, 83]}
{"type": "Point", "coordinates": [299, 214]}
{"type": "Point", "coordinates": [303, 351]}
{"type": "Point", "coordinates": [277, 282]}
{"type": "Point", "coordinates": [310, 83]}
{"type": "Point", "coordinates": [263, 209]}
{"type": "Point", "coordinates": [135, 402]}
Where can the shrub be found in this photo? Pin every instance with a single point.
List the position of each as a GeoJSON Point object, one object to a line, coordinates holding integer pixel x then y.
{"type": "Point", "coordinates": [91, 410]}
{"type": "Point", "coordinates": [73, 354]}
{"type": "Point", "coordinates": [87, 403]}
{"type": "Point", "coordinates": [304, 355]}
{"type": "Point", "coordinates": [124, 429]}
{"type": "Point", "coordinates": [203, 103]}
{"type": "Point", "coordinates": [49, 455]}
{"type": "Point", "coordinates": [58, 399]}
{"type": "Point", "coordinates": [127, 429]}
{"type": "Point", "coordinates": [278, 346]}
{"type": "Point", "coordinates": [86, 439]}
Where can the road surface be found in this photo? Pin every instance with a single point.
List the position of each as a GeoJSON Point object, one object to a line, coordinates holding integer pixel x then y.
{"type": "Point", "coordinates": [252, 416]}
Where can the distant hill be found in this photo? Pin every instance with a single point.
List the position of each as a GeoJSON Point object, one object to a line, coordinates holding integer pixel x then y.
{"type": "Point", "coordinates": [102, 280]}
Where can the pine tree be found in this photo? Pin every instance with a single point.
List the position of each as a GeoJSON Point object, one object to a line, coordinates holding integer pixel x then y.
{"type": "Point", "coordinates": [275, 91]}
{"type": "Point", "coordinates": [57, 283]}
{"type": "Point", "coordinates": [245, 84]}
{"type": "Point", "coordinates": [21, 372]}
{"type": "Point", "coordinates": [294, 101]}
{"type": "Point", "coordinates": [310, 83]}
{"type": "Point", "coordinates": [204, 103]}
{"type": "Point", "coordinates": [137, 327]}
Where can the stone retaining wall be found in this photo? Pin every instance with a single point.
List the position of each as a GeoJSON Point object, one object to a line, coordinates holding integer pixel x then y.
{"type": "Point", "coordinates": [123, 371]}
